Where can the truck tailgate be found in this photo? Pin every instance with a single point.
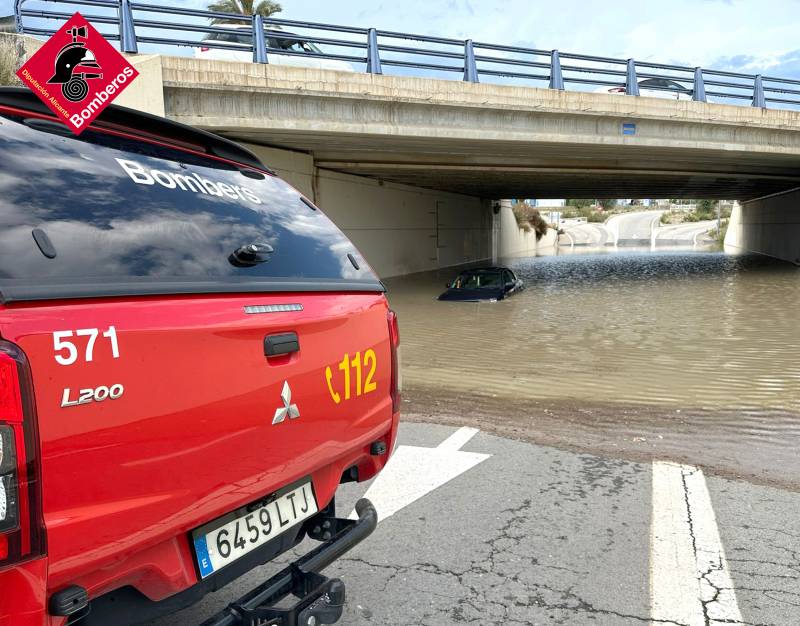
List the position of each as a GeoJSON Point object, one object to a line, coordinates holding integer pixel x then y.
{"type": "Point", "coordinates": [191, 434]}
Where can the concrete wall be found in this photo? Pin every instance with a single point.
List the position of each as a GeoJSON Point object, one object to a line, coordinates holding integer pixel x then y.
{"type": "Point", "coordinates": [769, 225]}
{"type": "Point", "coordinates": [399, 229]}
{"type": "Point", "coordinates": [495, 141]}
{"type": "Point", "coordinates": [515, 241]}
{"type": "Point", "coordinates": [402, 229]}
{"type": "Point", "coordinates": [296, 168]}
{"type": "Point", "coordinates": [146, 93]}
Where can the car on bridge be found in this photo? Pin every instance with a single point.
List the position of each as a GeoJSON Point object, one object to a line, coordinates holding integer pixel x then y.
{"type": "Point", "coordinates": [654, 88]}
{"type": "Point", "coordinates": [295, 50]}
{"type": "Point", "coordinates": [487, 284]}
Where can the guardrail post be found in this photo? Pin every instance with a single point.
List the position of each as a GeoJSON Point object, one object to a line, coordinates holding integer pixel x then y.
{"type": "Point", "coordinates": [18, 15]}
{"type": "Point", "coordinates": [127, 31]}
{"type": "Point", "coordinates": [470, 67]}
{"type": "Point", "coordinates": [699, 92]}
{"type": "Point", "coordinates": [373, 53]}
{"type": "Point", "coordinates": [556, 78]}
{"type": "Point", "coordinates": [259, 40]}
{"type": "Point", "coordinates": [631, 83]}
{"type": "Point", "coordinates": [759, 100]}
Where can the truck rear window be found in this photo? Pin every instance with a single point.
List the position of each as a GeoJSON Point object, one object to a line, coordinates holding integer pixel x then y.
{"type": "Point", "coordinates": [103, 215]}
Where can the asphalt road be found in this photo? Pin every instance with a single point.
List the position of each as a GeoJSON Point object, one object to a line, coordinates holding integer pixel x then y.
{"type": "Point", "coordinates": [593, 235]}
{"type": "Point", "coordinates": [536, 535]}
{"type": "Point", "coordinates": [634, 229]}
{"type": "Point", "coordinates": [683, 234]}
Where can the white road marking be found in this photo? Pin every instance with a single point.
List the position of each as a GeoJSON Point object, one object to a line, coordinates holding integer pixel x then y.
{"type": "Point", "coordinates": [414, 472]}
{"type": "Point", "coordinates": [654, 230]}
{"type": "Point", "coordinates": [689, 579]}
{"type": "Point", "coordinates": [458, 439]}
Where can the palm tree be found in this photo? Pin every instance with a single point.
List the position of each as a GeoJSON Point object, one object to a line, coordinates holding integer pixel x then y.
{"type": "Point", "coordinates": [265, 8]}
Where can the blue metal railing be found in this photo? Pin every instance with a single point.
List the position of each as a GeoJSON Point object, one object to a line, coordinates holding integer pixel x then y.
{"type": "Point", "coordinates": [141, 23]}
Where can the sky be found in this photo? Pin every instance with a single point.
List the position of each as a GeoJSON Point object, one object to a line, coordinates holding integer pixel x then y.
{"type": "Point", "coordinates": [748, 35]}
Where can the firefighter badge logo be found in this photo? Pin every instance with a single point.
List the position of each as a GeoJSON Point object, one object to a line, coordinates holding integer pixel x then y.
{"type": "Point", "coordinates": [77, 73]}
{"type": "Point", "coordinates": [75, 66]}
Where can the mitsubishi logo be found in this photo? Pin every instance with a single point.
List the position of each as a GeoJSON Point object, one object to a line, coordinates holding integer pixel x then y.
{"type": "Point", "coordinates": [288, 409]}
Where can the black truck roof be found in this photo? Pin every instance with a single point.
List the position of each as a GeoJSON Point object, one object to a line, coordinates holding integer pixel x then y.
{"type": "Point", "coordinates": [144, 124]}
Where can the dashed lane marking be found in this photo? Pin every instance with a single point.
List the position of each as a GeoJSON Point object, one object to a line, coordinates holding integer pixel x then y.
{"type": "Point", "coordinates": [689, 579]}
{"type": "Point", "coordinates": [414, 472]}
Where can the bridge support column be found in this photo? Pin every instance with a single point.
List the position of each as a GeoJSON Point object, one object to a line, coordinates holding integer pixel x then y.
{"type": "Point", "coordinates": [515, 240]}
{"type": "Point", "coordinates": [769, 225]}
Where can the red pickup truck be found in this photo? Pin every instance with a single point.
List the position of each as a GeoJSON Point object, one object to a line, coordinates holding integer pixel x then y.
{"type": "Point", "coordinates": [192, 359]}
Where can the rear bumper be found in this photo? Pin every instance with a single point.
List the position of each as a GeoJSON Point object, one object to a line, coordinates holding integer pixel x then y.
{"type": "Point", "coordinates": [320, 600]}
{"type": "Point", "coordinates": [22, 594]}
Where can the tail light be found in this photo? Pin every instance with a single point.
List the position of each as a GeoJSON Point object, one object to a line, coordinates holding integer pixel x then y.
{"type": "Point", "coordinates": [22, 535]}
{"type": "Point", "coordinates": [617, 90]}
{"type": "Point", "coordinates": [394, 336]}
{"type": "Point", "coordinates": [204, 49]}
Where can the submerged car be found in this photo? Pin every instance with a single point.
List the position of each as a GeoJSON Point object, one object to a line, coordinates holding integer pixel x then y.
{"type": "Point", "coordinates": [487, 284]}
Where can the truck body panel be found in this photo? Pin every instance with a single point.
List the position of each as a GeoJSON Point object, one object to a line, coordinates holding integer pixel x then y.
{"type": "Point", "coordinates": [191, 336]}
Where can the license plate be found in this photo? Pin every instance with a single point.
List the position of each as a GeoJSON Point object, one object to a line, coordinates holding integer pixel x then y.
{"type": "Point", "coordinates": [223, 541]}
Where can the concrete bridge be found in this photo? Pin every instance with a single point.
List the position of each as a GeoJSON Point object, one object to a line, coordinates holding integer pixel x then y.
{"type": "Point", "coordinates": [409, 167]}
{"type": "Point", "coordinates": [482, 141]}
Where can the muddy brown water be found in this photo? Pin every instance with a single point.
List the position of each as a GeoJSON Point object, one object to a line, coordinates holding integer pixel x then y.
{"type": "Point", "coordinates": [680, 355]}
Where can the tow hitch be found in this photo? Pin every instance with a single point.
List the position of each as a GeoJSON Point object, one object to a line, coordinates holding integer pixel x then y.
{"type": "Point", "coordinates": [319, 600]}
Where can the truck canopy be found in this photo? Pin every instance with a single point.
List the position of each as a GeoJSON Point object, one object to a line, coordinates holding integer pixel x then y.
{"type": "Point", "coordinates": [105, 214]}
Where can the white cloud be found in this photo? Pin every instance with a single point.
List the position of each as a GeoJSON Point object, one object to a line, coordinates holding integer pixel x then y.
{"type": "Point", "coordinates": [688, 32]}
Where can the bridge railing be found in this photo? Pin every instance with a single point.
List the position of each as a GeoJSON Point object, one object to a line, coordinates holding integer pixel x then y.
{"type": "Point", "coordinates": [134, 24]}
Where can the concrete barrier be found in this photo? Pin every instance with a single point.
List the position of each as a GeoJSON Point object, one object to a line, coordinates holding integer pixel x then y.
{"type": "Point", "coordinates": [515, 241]}
{"type": "Point", "coordinates": [769, 225]}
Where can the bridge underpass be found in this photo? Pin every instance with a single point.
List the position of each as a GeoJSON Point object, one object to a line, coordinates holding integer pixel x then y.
{"type": "Point", "coordinates": [433, 214]}
{"type": "Point", "coordinates": [408, 167]}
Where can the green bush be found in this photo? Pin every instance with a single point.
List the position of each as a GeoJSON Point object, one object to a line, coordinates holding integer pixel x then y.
{"type": "Point", "coordinates": [528, 218]}
{"type": "Point", "coordinates": [582, 208]}
{"type": "Point", "coordinates": [706, 209]}
{"type": "Point", "coordinates": [579, 203]}
{"type": "Point", "coordinates": [719, 236]}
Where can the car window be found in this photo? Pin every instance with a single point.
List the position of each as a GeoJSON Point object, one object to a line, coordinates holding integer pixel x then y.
{"type": "Point", "coordinates": [491, 279]}
{"type": "Point", "coordinates": [293, 45]}
{"type": "Point", "coordinates": [240, 38]}
{"type": "Point", "coordinates": [663, 83]}
{"type": "Point", "coordinates": [121, 210]}
{"type": "Point", "coordinates": [477, 280]}
{"type": "Point", "coordinates": [678, 87]}
{"type": "Point", "coordinates": [654, 82]}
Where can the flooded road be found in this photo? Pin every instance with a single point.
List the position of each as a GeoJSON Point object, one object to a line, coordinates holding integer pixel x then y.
{"type": "Point", "coordinates": [686, 356]}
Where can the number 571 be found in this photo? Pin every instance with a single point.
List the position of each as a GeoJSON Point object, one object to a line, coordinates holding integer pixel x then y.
{"type": "Point", "coordinates": [69, 351]}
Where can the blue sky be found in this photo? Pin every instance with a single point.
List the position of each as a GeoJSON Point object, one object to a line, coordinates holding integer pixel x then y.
{"type": "Point", "coordinates": [748, 35]}
{"type": "Point", "coordinates": [751, 36]}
